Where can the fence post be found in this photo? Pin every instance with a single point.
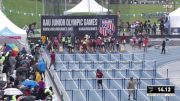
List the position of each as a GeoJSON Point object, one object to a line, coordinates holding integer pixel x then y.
{"type": "Point", "coordinates": [167, 73]}
{"type": "Point", "coordinates": [129, 64]}
{"type": "Point", "coordinates": [65, 83]}
{"type": "Point", "coordinates": [119, 95]}
{"type": "Point", "coordinates": [105, 64]}
{"type": "Point", "coordinates": [122, 81]}
{"type": "Point", "coordinates": [120, 57]}
{"type": "Point", "coordinates": [85, 57]}
{"type": "Point", "coordinates": [98, 57]}
{"type": "Point", "coordinates": [67, 64]}
{"type": "Point", "coordinates": [62, 57]}
{"type": "Point", "coordinates": [92, 63]}
{"type": "Point", "coordinates": [167, 81]}
{"type": "Point", "coordinates": [103, 95]}
{"type": "Point", "coordinates": [113, 73]}
{"type": "Point", "coordinates": [72, 96]}
{"type": "Point", "coordinates": [72, 73]}
{"type": "Point", "coordinates": [117, 64]}
{"type": "Point", "coordinates": [143, 65]}
{"type": "Point", "coordinates": [84, 72]}
{"type": "Point", "coordinates": [94, 83]}
{"type": "Point", "coordinates": [132, 57]}
{"type": "Point", "coordinates": [126, 73]}
{"type": "Point", "coordinates": [153, 81]}
{"type": "Point", "coordinates": [138, 83]}
{"type": "Point", "coordinates": [60, 74]}
{"type": "Point", "coordinates": [125, 83]}
{"type": "Point", "coordinates": [79, 64]}
{"type": "Point", "coordinates": [78, 84]}
{"type": "Point", "coordinates": [155, 73]}
{"type": "Point", "coordinates": [136, 94]}
{"type": "Point", "coordinates": [87, 95]}
{"type": "Point", "coordinates": [108, 83]}
{"type": "Point", "coordinates": [140, 72]}
{"type": "Point", "coordinates": [154, 64]}
{"type": "Point", "coordinates": [109, 57]}
{"type": "Point", "coordinates": [74, 57]}
{"type": "Point", "coordinates": [87, 73]}
{"type": "Point", "coordinates": [143, 57]}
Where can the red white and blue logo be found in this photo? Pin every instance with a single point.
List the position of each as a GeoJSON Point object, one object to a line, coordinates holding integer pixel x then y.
{"type": "Point", "coordinates": [107, 27]}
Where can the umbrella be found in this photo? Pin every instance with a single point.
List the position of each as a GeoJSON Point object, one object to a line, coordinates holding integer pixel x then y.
{"type": "Point", "coordinates": [41, 66]}
{"type": "Point", "coordinates": [13, 48]}
{"type": "Point", "coordinates": [27, 98]}
{"type": "Point", "coordinates": [12, 91]}
{"type": "Point", "coordinates": [30, 83]}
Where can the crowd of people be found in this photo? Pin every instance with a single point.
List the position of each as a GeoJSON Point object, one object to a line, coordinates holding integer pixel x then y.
{"type": "Point", "coordinates": [102, 44]}
{"type": "Point", "coordinates": [87, 44]}
{"type": "Point", "coordinates": [147, 27]}
{"type": "Point", "coordinates": [21, 70]}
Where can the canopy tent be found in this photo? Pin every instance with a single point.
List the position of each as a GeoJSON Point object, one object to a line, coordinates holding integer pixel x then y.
{"type": "Point", "coordinates": [87, 6]}
{"type": "Point", "coordinates": [174, 18]}
{"type": "Point", "coordinates": [10, 33]}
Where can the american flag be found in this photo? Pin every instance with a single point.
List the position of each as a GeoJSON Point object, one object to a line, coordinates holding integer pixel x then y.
{"type": "Point", "coordinates": [107, 27]}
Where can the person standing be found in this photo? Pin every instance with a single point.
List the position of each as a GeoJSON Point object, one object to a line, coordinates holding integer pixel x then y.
{"type": "Point", "coordinates": [123, 39]}
{"type": "Point", "coordinates": [145, 44]}
{"type": "Point", "coordinates": [134, 39]}
{"type": "Point", "coordinates": [161, 27]}
{"type": "Point", "coordinates": [117, 45]}
{"type": "Point", "coordinates": [154, 27]}
{"type": "Point", "coordinates": [53, 59]}
{"type": "Point", "coordinates": [140, 42]}
{"type": "Point", "coordinates": [63, 41]}
{"type": "Point", "coordinates": [163, 47]}
{"type": "Point", "coordinates": [99, 76]}
{"type": "Point", "coordinates": [131, 88]}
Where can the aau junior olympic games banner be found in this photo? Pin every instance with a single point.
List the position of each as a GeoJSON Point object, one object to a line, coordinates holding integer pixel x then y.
{"type": "Point", "coordinates": [94, 25]}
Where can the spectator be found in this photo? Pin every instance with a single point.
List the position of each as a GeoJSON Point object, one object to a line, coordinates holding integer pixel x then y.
{"type": "Point", "coordinates": [163, 47]}
{"type": "Point", "coordinates": [53, 59]}
{"type": "Point", "coordinates": [38, 76]}
{"type": "Point", "coordinates": [48, 92]}
{"type": "Point", "coordinates": [154, 29]}
{"type": "Point", "coordinates": [140, 41]}
{"type": "Point", "coordinates": [134, 39]}
{"type": "Point", "coordinates": [117, 45]}
{"type": "Point", "coordinates": [23, 51]}
{"type": "Point", "coordinates": [99, 76]}
{"type": "Point", "coordinates": [145, 44]}
{"type": "Point", "coordinates": [131, 88]}
{"type": "Point", "coordinates": [12, 62]}
{"type": "Point", "coordinates": [161, 27]}
{"type": "Point", "coordinates": [148, 27]}
{"type": "Point", "coordinates": [41, 84]}
{"type": "Point", "coordinates": [123, 39]}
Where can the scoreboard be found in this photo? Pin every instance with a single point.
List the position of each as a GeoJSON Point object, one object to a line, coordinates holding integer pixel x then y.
{"type": "Point", "coordinates": [160, 90]}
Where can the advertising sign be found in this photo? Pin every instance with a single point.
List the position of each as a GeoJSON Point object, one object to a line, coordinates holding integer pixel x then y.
{"type": "Point", "coordinates": [103, 25]}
